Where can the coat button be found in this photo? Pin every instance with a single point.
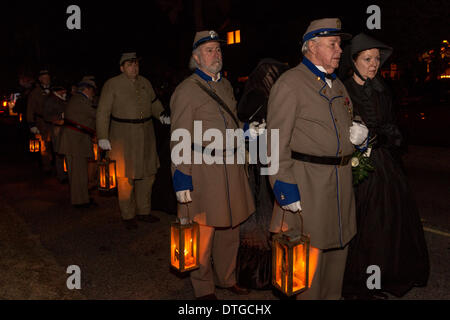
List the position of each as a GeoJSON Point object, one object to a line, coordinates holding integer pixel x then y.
{"type": "Point", "coordinates": [340, 151]}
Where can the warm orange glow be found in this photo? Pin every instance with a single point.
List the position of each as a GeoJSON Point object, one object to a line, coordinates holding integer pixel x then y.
{"type": "Point", "coordinates": [237, 36]}
{"type": "Point", "coordinates": [95, 148]}
{"type": "Point", "coordinates": [20, 117]}
{"type": "Point", "coordinates": [444, 41]}
{"type": "Point", "coordinates": [242, 79]}
{"type": "Point", "coordinates": [291, 271]}
{"type": "Point", "coordinates": [184, 238]}
{"type": "Point", "coordinates": [5, 103]}
{"type": "Point", "coordinates": [107, 180]}
{"type": "Point", "coordinates": [230, 37]}
{"type": "Point", "coordinates": [65, 165]}
{"type": "Point", "coordinates": [102, 175]}
{"type": "Point", "coordinates": [112, 175]}
{"type": "Point", "coordinates": [313, 258]}
{"type": "Point", "coordinates": [444, 76]}
{"type": "Point", "coordinates": [34, 145]}
{"type": "Point", "coordinates": [281, 262]}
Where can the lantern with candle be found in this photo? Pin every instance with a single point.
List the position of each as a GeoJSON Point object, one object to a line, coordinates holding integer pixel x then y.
{"type": "Point", "coordinates": [107, 180]}
{"type": "Point", "coordinates": [184, 243]}
{"type": "Point", "coordinates": [35, 144]}
{"type": "Point", "coordinates": [290, 261]}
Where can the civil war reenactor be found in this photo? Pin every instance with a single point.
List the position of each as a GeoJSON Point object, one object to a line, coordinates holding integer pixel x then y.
{"type": "Point", "coordinates": [125, 111]}
{"type": "Point", "coordinates": [217, 196]}
{"type": "Point", "coordinates": [313, 112]}
{"type": "Point", "coordinates": [35, 117]}
{"type": "Point", "coordinates": [76, 142]}
{"type": "Point", "coordinates": [53, 113]}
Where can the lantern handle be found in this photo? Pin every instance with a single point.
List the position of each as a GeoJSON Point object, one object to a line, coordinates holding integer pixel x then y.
{"type": "Point", "coordinates": [300, 215]}
{"type": "Point", "coordinates": [187, 207]}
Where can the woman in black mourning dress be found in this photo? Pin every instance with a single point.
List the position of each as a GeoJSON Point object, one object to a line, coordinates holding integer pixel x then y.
{"type": "Point", "coordinates": [254, 261]}
{"type": "Point", "coordinates": [389, 230]}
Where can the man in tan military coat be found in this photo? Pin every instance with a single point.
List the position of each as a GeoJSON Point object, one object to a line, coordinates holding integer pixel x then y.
{"type": "Point", "coordinates": [35, 117]}
{"type": "Point", "coordinates": [217, 196]}
{"type": "Point", "coordinates": [313, 113]}
{"type": "Point", "coordinates": [76, 141]}
{"type": "Point", "coordinates": [53, 113]}
{"type": "Point", "coordinates": [124, 125]}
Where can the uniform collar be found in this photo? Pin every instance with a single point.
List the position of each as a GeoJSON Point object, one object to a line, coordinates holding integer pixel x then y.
{"type": "Point", "coordinates": [311, 66]}
{"type": "Point", "coordinates": [206, 77]}
{"type": "Point", "coordinates": [81, 93]}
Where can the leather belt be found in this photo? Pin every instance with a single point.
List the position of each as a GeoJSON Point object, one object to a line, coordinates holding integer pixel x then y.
{"type": "Point", "coordinates": [131, 120]}
{"type": "Point", "coordinates": [213, 152]}
{"type": "Point", "coordinates": [334, 161]}
{"type": "Point", "coordinates": [78, 127]}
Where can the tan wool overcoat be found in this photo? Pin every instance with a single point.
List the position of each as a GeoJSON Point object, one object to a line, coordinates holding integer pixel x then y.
{"type": "Point", "coordinates": [73, 142]}
{"type": "Point", "coordinates": [221, 196]}
{"type": "Point", "coordinates": [133, 145]}
{"type": "Point", "coordinates": [314, 119]}
{"type": "Point", "coordinates": [53, 115]}
{"type": "Point", "coordinates": [35, 111]}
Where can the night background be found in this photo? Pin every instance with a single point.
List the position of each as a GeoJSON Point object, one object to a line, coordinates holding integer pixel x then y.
{"type": "Point", "coordinates": [34, 36]}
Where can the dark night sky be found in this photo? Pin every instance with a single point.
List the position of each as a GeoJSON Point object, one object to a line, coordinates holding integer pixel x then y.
{"type": "Point", "coordinates": [35, 33]}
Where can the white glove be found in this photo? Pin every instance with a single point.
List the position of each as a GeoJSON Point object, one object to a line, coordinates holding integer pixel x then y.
{"type": "Point", "coordinates": [164, 119]}
{"type": "Point", "coordinates": [184, 220]}
{"type": "Point", "coordinates": [184, 196]}
{"type": "Point", "coordinates": [256, 128]}
{"type": "Point", "coordinates": [294, 207]}
{"type": "Point", "coordinates": [34, 130]}
{"type": "Point", "coordinates": [358, 133]}
{"type": "Point", "coordinates": [104, 144]}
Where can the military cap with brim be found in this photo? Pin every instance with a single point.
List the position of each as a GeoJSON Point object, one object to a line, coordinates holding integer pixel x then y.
{"type": "Point", "coordinates": [43, 71]}
{"type": "Point", "coordinates": [128, 56]}
{"type": "Point", "coordinates": [87, 83]}
{"type": "Point", "coordinates": [328, 27]}
{"type": "Point", "coordinates": [202, 37]}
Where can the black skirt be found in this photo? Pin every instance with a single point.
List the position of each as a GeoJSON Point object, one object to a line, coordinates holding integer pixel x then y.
{"type": "Point", "coordinates": [389, 234]}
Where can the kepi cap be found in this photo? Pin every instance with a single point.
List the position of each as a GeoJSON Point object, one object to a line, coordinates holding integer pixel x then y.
{"type": "Point", "coordinates": [42, 72]}
{"type": "Point", "coordinates": [127, 57]}
{"type": "Point", "coordinates": [202, 37]}
{"type": "Point", "coordinates": [87, 82]}
{"type": "Point", "coordinates": [328, 27]}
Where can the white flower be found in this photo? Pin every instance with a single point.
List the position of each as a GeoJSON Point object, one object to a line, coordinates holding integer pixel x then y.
{"type": "Point", "coordinates": [355, 162]}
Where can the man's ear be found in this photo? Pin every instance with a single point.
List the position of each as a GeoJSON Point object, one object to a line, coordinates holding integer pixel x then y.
{"type": "Point", "coordinates": [312, 46]}
{"type": "Point", "coordinates": [121, 68]}
{"type": "Point", "coordinates": [196, 58]}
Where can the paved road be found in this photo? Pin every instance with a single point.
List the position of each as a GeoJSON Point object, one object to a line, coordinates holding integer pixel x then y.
{"type": "Point", "coordinates": [41, 235]}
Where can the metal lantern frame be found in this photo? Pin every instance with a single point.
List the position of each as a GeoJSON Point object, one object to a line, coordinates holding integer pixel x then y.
{"type": "Point", "coordinates": [178, 233]}
{"type": "Point", "coordinates": [107, 167]}
{"type": "Point", "coordinates": [286, 246]}
{"type": "Point", "coordinates": [35, 145]}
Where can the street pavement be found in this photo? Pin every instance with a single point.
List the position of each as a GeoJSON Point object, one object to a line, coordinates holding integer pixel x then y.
{"type": "Point", "coordinates": [41, 235]}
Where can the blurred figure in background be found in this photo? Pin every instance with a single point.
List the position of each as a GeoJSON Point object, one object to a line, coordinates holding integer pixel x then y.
{"type": "Point", "coordinates": [254, 262]}
{"type": "Point", "coordinates": [53, 114]}
{"type": "Point", "coordinates": [76, 142]}
{"type": "Point", "coordinates": [35, 118]}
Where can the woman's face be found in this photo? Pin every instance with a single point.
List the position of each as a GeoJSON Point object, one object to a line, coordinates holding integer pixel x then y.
{"type": "Point", "coordinates": [368, 62]}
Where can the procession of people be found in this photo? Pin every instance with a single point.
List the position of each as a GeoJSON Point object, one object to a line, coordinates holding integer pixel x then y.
{"type": "Point", "coordinates": [319, 120]}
